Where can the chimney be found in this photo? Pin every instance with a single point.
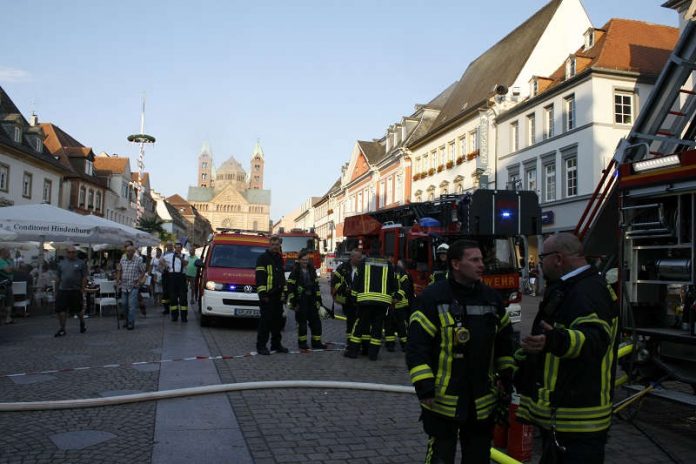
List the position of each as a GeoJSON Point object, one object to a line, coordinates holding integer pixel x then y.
{"type": "Point", "coordinates": [34, 120]}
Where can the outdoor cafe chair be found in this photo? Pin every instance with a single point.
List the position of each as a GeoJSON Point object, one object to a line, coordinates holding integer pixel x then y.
{"type": "Point", "coordinates": [19, 290]}
{"type": "Point", "coordinates": [106, 295]}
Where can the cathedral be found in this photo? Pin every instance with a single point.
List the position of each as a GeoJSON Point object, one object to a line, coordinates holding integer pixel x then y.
{"type": "Point", "coordinates": [229, 197]}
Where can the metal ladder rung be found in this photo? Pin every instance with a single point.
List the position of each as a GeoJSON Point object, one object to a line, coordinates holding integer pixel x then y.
{"type": "Point", "coordinates": [659, 138]}
{"type": "Point", "coordinates": [690, 92]}
{"type": "Point", "coordinates": [664, 132]}
{"type": "Point", "coordinates": [677, 113]}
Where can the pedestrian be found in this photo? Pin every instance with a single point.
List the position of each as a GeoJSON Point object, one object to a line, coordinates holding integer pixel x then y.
{"type": "Point", "coordinates": [567, 365]}
{"type": "Point", "coordinates": [341, 286]}
{"type": "Point", "coordinates": [374, 289]}
{"type": "Point", "coordinates": [7, 269]}
{"type": "Point", "coordinates": [72, 280]}
{"type": "Point", "coordinates": [396, 323]}
{"type": "Point", "coordinates": [130, 275]}
{"type": "Point", "coordinates": [440, 266]}
{"type": "Point", "coordinates": [270, 281]}
{"type": "Point", "coordinates": [168, 249]}
{"type": "Point", "coordinates": [176, 283]}
{"type": "Point", "coordinates": [156, 276]}
{"type": "Point", "coordinates": [459, 339]}
{"type": "Point", "coordinates": [304, 297]}
{"type": "Point", "coordinates": [191, 272]}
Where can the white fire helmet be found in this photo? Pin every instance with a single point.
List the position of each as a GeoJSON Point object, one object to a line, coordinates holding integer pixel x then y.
{"type": "Point", "coordinates": [442, 249]}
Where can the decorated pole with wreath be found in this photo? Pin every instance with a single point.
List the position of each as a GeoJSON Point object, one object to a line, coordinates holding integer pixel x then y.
{"type": "Point", "coordinates": [142, 138]}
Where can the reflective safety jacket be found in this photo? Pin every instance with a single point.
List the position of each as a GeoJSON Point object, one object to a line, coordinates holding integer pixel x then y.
{"type": "Point", "coordinates": [570, 384]}
{"type": "Point", "coordinates": [459, 337]}
{"type": "Point", "coordinates": [303, 291]}
{"type": "Point", "coordinates": [375, 282]}
{"type": "Point", "coordinates": [270, 277]}
{"type": "Point", "coordinates": [342, 282]}
{"type": "Point", "coordinates": [405, 289]}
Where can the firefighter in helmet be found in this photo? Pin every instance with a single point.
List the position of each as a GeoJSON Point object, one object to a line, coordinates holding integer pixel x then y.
{"type": "Point", "coordinates": [341, 286]}
{"type": "Point", "coordinates": [440, 267]}
{"type": "Point", "coordinates": [396, 323]}
{"type": "Point", "coordinates": [304, 297]}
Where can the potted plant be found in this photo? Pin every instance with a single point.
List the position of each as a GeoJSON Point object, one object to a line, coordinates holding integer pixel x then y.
{"type": "Point", "coordinates": [460, 159]}
{"type": "Point", "coordinates": [440, 168]}
{"type": "Point", "coordinates": [450, 164]}
{"type": "Point", "coordinates": [431, 171]}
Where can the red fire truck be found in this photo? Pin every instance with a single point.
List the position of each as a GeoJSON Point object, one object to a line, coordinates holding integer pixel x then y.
{"type": "Point", "coordinates": [413, 232]}
{"type": "Point", "coordinates": [640, 222]}
{"type": "Point", "coordinates": [297, 240]}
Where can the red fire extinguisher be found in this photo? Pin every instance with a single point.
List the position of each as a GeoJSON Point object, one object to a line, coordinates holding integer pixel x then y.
{"type": "Point", "coordinates": [520, 442]}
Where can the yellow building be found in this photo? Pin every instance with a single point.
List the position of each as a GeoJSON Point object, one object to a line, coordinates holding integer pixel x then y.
{"type": "Point", "coordinates": [230, 198]}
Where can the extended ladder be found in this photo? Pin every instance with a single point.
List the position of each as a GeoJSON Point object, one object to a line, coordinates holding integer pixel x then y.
{"type": "Point", "coordinates": [665, 125]}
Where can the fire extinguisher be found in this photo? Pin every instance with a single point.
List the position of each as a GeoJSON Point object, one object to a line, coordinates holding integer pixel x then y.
{"type": "Point", "coordinates": [520, 442]}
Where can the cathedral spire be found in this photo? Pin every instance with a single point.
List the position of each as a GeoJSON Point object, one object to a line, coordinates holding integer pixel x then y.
{"type": "Point", "coordinates": [257, 150]}
{"type": "Point", "coordinates": [256, 172]}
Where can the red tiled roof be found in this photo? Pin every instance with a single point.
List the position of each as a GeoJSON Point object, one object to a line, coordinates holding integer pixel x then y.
{"type": "Point", "coordinates": [111, 163]}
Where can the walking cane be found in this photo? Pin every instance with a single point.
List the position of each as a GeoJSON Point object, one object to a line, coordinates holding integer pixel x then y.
{"type": "Point", "coordinates": [118, 310]}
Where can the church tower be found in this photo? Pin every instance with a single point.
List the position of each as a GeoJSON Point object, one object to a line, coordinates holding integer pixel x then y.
{"type": "Point", "coordinates": [205, 167]}
{"type": "Point", "coordinates": [256, 171]}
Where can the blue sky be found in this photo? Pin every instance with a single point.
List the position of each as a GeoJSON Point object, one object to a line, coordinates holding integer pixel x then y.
{"type": "Point", "coordinates": [307, 78]}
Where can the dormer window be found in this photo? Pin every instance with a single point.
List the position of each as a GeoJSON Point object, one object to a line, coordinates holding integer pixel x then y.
{"type": "Point", "coordinates": [589, 38]}
{"type": "Point", "coordinates": [534, 87]}
{"type": "Point", "coordinates": [17, 136]}
{"type": "Point", "coordinates": [89, 168]}
{"type": "Point", "coordinates": [570, 67]}
{"type": "Point", "coordinates": [38, 144]}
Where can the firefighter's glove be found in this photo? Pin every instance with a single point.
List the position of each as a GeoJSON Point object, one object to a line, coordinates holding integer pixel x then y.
{"type": "Point", "coordinates": [323, 313]}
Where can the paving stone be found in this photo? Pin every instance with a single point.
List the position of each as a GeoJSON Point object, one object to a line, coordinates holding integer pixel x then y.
{"type": "Point", "coordinates": [80, 439]}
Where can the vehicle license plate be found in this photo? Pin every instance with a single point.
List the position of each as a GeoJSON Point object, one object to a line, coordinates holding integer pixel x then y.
{"type": "Point", "coordinates": [245, 312]}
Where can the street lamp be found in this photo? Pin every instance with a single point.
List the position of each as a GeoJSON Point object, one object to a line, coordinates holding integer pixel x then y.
{"type": "Point", "coordinates": [142, 138]}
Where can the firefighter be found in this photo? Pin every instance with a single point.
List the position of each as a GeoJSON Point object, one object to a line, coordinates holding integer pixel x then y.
{"type": "Point", "coordinates": [374, 289]}
{"type": "Point", "coordinates": [567, 365]}
{"type": "Point", "coordinates": [304, 296]}
{"type": "Point", "coordinates": [168, 250]}
{"type": "Point", "coordinates": [396, 323]}
{"type": "Point", "coordinates": [270, 282]}
{"type": "Point", "coordinates": [176, 283]}
{"type": "Point", "coordinates": [440, 267]}
{"type": "Point", "coordinates": [341, 285]}
{"type": "Point", "coordinates": [459, 338]}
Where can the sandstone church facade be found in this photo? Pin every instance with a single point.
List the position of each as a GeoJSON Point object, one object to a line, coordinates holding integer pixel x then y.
{"type": "Point", "coordinates": [229, 197]}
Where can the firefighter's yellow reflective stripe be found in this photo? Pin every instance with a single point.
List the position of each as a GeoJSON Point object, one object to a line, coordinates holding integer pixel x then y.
{"type": "Point", "coordinates": [429, 452]}
{"type": "Point", "coordinates": [374, 296]}
{"type": "Point", "coordinates": [340, 299]}
{"type": "Point", "coordinates": [612, 293]}
{"type": "Point", "coordinates": [420, 319]}
{"type": "Point", "coordinates": [504, 362]}
{"type": "Point", "coordinates": [376, 341]}
{"type": "Point", "coordinates": [302, 338]}
{"type": "Point", "coordinates": [484, 406]}
{"type": "Point", "coordinates": [316, 338]}
{"type": "Point", "coordinates": [588, 419]}
{"type": "Point", "coordinates": [365, 337]}
{"type": "Point", "coordinates": [401, 304]}
{"type": "Point", "coordinates": [480, 310]}
{"type": "Point", "coordinates": [504, 322]}
{"type": "Point", "coordinates": [390, 338]}
{"type": "Point", "coordinates": [520, 355]}
{"type": "Point", "coordinates": [260, 268]}
{"type": "Point", "coordinates": [592, 319]}
{"type": "Point", "coordinates": [576, 340]}
{"type": "Point", "coordinates": [291, 281]}
{"type": "Point", "coordinates": [551, 363]}
{"type": "Point", "coordinates": [444, 370]}
{"type": "Point", "coordinates": [384, 279]}
{"type": "Point", "coordinates": [354, 293]}
{"type": "Point", "coordinates": [261, 288]}
{"type": "Point", "coordinates": [269, 273]}
{"type": "Point", "coordinates": [607, 361]}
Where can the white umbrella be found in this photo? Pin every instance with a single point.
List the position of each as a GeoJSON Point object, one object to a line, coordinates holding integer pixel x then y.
{"type": "Point", "coordinates": [6, 235]}
{"type": "Point", "coordinates": [52, 224]}
{"type": "Point", "coordinates": [138, 237]}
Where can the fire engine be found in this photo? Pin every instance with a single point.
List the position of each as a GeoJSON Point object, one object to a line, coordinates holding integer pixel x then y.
{"type": "Point", "coordinates": [640, 222]}
{"type": "Point", "coordinates": [412, 233]}
{"type": "Point", "coordinates": [297, 240]}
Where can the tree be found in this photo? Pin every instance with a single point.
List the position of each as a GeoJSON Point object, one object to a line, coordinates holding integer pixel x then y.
{"type": "Point", "coordinates": [154, 224]}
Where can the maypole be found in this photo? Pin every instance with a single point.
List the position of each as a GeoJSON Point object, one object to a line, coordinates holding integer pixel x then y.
{"type": "Point", "coordinates": [142, 138]}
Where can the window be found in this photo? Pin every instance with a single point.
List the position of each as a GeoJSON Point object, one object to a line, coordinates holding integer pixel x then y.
{"type": "Point", "coordinates": [382, 193]}
{"type": "Point", "coordinates": [433, 159]}
{"type": "Point", "coordinates": [89, 168]}
{"type": "Point", "coordinates": [360, 202]}
{"type": "Point", "coordinates": [4, 177]}
{"type": "Point", "coordinates": [548, 122]}
{"type": "Point", "coordinates": [531, 179]}
{"type": "Point", "coordinates": [569, 112]}
{"type": "Point", "coordinates": [623, 108]}
{"type": "Point", "coordinates": [589, 38]}
{"type": "Point", "coordinates": [531, 129]}
{"type": "Point", "coordinates": [460, 188]}
{"type": "Point", "coordinates": [451, 152]}
{"type": "Point", "coordinates": [98, 201]}
{"type": "Point", "coordinates": [571, 176]}
{"type": "Point", "coordinates": [390, 191]}
{"type": "Point", "coordinates": [441, 160]}
{"type": "Point", "coordinates": [570, 67]}
{"type": "Point", "coordinates": [124, 190]}
{"type": "Point", "coordinates": [38, 143]}
{"type": "Point", "coordinates": [81, 199]}
{"type": "Point", "coordinates": [17, 137]}
{"type": "Point", "coordinates": [424, 166]}
{"type": "Point", "coordinates": [204, 165]}
{"type": "Point", "coordinates": [550, 181]}
{"type": "Point", "coordinates": [90, 199]}
{"type": "Point", "coordinates": [534, 87]}
{"type": "Point", "coordinates": [462, 145]}
{"type": "Point", "coordinates": [417, 166]}
{"type": "Point", "coordinates": [515, 136]}
{"type": "Point", "coordinates": [204, 176]}
{"type": "Point", "coordinates": [46, 195]}
{"type": "Point", "coordinates": [473, 141]}
{"type": "Point", "coordinates": [513, 178]}
{"type": "Point", "coordinates": [26, 185]}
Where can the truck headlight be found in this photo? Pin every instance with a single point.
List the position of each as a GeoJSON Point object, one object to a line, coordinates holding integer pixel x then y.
{"type": "Point", "coordinates": [210, 285]}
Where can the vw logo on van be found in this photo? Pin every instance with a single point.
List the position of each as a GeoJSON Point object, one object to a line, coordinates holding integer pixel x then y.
{"type": "Point", "coordinates": [248, 289]}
